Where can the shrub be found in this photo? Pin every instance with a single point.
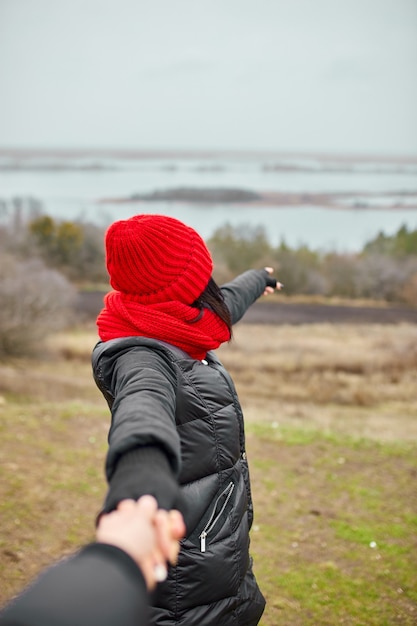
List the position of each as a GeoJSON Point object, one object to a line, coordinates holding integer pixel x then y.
{"type": "Point", "coordinates": [34, 301]}
{"type": "Point", "coordinates": [240, 248]}
{"type": "Point", "coordinates": [384, 277]}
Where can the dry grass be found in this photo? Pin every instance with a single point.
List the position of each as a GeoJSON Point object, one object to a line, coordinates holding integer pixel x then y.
{"type": "Point", "coordinates": [360, 380]}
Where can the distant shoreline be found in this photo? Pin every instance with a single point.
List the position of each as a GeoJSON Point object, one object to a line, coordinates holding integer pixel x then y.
{"type": "Point", "coordinates": [131, 153]}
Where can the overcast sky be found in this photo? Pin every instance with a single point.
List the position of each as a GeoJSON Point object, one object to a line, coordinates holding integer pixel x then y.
{"type": "Point", "coordinates": [286, 75]}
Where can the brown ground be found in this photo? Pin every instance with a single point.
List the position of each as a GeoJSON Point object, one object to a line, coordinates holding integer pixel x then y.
{"type": "Point", "coordinates": [331, 429]}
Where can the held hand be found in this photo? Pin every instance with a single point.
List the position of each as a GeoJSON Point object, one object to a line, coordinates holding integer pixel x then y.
{"type": "Point", "coordinates": [170, 528]}
{"type": "Point", "coordinates": [149, 536]}
{"type": "Point", "coordinates": [272, 283]}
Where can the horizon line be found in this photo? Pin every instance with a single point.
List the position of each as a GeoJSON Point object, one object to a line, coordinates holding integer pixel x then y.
{"type": "Point", "coordinates": [170, 152]}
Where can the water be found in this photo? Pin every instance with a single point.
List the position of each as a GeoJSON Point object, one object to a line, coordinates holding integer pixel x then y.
{"type": "Point", "coordinates": [74, 193]}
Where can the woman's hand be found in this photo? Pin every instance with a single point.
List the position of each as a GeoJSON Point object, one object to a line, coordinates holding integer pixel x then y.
{"type": "Point", "coordinates": [149, 535]}
{"type": "Point", "coordinates": [272, 282]}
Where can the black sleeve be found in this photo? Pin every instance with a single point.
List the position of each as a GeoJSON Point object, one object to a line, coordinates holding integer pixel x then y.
{"type": "Point", "coordinates": [143, 412]}
{"type": "Point", "coordinates": [144, 471]}
{"type": "Point", "coordinates": [144, 447]}
{"type": "Point", "coordinates": [99, 586]}
{"type": "Point", "coordinates": [241, 292]}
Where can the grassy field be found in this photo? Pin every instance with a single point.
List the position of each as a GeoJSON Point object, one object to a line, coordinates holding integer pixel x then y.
{"type": "Point", "coordinates": [331, 422]}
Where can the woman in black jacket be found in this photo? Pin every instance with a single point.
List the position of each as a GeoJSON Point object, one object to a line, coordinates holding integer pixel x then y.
{"type": "Point", "coordinates": [177, 429]}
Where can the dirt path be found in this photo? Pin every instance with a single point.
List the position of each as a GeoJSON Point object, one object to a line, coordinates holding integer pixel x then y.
{"type": "Point", "coordinates": [297, 313]}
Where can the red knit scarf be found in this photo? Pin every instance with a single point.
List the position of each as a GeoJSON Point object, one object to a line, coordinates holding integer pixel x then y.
{"type": "Point", "coordinates": [176, 323]}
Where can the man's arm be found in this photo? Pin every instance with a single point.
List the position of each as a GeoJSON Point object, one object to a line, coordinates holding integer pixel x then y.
{"type": "Point", "coordinates": [99, 585]}
{"type": "Point", "coordinates": [105, 584]}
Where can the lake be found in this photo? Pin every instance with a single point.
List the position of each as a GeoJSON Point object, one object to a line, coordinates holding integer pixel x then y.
{"type": "Point", "coordinates": [71, 187]}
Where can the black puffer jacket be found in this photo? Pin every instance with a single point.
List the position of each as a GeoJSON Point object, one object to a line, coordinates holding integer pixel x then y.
{"type": "Point", "coordinates": [161, 396]}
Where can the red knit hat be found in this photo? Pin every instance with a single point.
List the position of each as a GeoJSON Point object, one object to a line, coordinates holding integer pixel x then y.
{"type": "Point", "coordinates": [155, 258]}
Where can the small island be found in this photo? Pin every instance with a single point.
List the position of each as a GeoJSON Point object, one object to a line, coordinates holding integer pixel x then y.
{"type": "Point", "coordinates": [358, 200]}
{"type": "Point", "coordinates": [205, 195]}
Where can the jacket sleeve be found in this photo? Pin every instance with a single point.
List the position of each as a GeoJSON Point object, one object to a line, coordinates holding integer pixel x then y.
{"type": "Point", "coordinates": [143, 412]}
{"type": "Point", "coordinates": [100, 585]}
{"type": "Point", "coordinates": [144, 447]}
{"type": "Point", "coordinates": [242, 292]}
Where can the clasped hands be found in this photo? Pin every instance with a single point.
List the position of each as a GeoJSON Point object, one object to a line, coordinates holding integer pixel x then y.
{"type": "Point", "coordinates": [150, 536]}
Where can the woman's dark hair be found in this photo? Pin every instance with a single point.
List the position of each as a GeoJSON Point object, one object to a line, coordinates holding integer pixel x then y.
{"type": "Point", "coordinates": [212, 298]}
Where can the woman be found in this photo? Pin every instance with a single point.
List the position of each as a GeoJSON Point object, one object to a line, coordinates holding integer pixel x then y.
{"type": "Point", "coordinates": [177, 428]}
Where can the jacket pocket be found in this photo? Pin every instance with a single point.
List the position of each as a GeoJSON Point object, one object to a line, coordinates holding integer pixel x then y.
{"type": "Point", "coordinates": [216, 513]}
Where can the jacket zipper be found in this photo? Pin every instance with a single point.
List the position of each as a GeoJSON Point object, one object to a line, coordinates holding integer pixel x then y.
{"type": "Point", "coordinates": [226, 494]}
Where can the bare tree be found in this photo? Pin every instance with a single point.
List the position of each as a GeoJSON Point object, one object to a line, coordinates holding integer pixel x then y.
{"type": "Point", "coordinates": [34, 301]}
